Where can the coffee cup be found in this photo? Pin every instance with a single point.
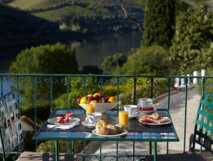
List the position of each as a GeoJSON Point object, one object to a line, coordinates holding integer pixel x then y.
{"type": "Point", "coordinates": [131, 109]}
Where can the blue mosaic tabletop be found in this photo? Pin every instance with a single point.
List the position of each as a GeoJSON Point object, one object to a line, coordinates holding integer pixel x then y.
{"type": "Point", "coordinates": [136, 131]}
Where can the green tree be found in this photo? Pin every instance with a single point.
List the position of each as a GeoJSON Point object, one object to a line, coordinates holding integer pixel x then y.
{"type": "Point", "coordinates": [151, 60]}
{"type": "Point", "coordinates": [159, 22]}
{"type": "Point", "coordinates": [192, 44]}
{"type": "Point", "coordinates": [112, 64]}
{"type": "Point", "coordinates": [57, 59]}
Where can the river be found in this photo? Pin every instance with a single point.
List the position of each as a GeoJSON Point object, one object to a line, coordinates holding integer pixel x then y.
{"type": "Point", "coordinates": [92, 51]}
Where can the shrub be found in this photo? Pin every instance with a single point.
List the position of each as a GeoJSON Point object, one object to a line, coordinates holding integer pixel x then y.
{"type": "Point", "coordinates": [152, 60]}
{"type": "Point", "coordinates": [57, 59]}
{"type": "Point", "coordinates": [112, 64]}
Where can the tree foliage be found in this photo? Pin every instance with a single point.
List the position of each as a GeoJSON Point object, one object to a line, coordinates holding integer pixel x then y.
{"type": "Point", "coordinates": [112, 64]}
{"type": "Point", "coordinates": [159, 22]}
{"type": "Point", "coordinates": [56, 59]}
{"type": "Point", "coordinates": [151, 60]}
{"type": "Point", "coordinates": [192, 45]}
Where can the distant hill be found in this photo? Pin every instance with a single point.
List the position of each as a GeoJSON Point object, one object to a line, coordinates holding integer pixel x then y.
{"type": "Point", "coordinates": [54, 10]}
{"type": "Point", "coordinates": [26, 23]}
{"type": "Point", "coordinates": [20, 29]}
{"type": "Point", "coordinates": [83, 16]}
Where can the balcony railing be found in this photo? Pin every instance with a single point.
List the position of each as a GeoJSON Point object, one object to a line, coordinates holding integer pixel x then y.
{"type": "Point", "coordinates": [37, 94]}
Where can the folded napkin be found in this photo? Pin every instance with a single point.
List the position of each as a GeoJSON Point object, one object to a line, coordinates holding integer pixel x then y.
{"type": "Point", "coordinates": [63, 126]}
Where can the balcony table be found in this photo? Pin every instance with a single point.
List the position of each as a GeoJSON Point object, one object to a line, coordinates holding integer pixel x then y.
{"type": "Point", "coordinates": [136, 132]}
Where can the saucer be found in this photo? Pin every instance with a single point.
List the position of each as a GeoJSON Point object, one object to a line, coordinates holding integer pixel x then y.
{"type": "Point", "coordinates": [89, 125]}
{"type": "Point", "coordinates": [134, 115]}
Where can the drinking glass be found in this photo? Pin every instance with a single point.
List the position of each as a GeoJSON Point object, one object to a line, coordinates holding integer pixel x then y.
{"type": "Point", "coordinates": [123, 118]}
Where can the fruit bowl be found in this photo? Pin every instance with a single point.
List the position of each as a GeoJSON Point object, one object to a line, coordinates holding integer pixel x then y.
{"type": "Point", "coordinates": [100, 107]}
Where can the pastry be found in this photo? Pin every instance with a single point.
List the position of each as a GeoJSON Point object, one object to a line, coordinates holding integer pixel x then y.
{"type": "Point", "coordinates": [101, 127]}
{"type": "Point", "coordinates": [112, 129]}
{"type": "Point", "coordinates": [104, 128]}
{"type": "Point", "coordinates": [103, 131]}
{"type": "Point", "coordinates": [153, 118]}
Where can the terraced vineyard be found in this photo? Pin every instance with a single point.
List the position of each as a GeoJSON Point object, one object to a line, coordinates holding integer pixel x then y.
{"type": "Point", "coordinates": [55, 9]}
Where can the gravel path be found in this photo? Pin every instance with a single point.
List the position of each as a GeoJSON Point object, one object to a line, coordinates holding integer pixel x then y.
{"type": "Point", "coordinates": [177, 112]}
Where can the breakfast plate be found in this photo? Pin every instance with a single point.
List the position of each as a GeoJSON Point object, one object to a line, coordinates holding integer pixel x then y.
{"type": "Point", "coordinates": [72, 120]}
{"type": "Point", "coordinates": [125, 132]}
{"type": "Point", "coordinates": [156, 123]}
{"type": "Point", "coordinates": [154, 119]}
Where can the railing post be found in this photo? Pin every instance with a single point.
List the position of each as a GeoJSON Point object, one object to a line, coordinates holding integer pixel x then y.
{"type": "Point", "coordinates": [18, 100]}
{"type": "Point", "coordinates": [50, 81]}
{"type": "Point", "coordinates": [134, 102]}
{"type": "Point", "coordinates": [34, 86]}
{"type": "Point", "coordinates": [134, 90]}
{"type": "Point", "coordinates": [67, 79]}
{"type": "Point", "coordinates": [151, 95]}
{"type": "Point", "coordinates": [2, 85]}
{"type": "Point", "coordinates": [185, 114]}
{"type": "Point", "coordinates": [85, 90]}
{"type": "Point", "coordinates": [100, 83]}
{"type": "Point", "coordinates": [169, 94]}
{"type": "Point", "coordinates": [203, 85]}
{"type": "Point", "coordinates": [118, 88]}
{"type": "Point", "coordinates": [118, 109]}
{"type": "Point", "coordinates": [152, 85]}
{"type": "Point", "coordinates": [18, 89]}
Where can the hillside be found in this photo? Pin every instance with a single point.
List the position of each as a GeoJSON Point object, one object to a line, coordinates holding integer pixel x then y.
{"type": "Point", "coordinates": [84, 16]}
{"type": "Point", "coordinates": [20, 29]}
{"type": "Point", "coordinates": [54, 10]}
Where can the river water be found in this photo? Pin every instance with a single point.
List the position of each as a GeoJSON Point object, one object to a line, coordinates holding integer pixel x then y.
{"type": "Point", "coordinates": [92, 51]}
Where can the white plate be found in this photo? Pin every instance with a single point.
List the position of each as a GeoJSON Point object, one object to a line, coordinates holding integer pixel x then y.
{"type": "Point", "coordinates": [157, 124]}
{"type": "Point", "coordinates": [125, 132]}
{"type": "Point", "coordinates": [53, 121]}
{"type": "Point", "coordinates": [84, 123]}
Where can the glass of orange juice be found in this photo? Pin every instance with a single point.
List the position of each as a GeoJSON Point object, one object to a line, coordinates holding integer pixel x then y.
{"type": "Point", "coordinates": [90, 109]}
{"type": "Point", "coordinates": [123, 118]}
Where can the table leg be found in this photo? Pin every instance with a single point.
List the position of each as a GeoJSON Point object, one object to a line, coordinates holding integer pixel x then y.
{"type": "Point", "coordinates": [150, 148]}
{"type": "Point", "coordinates": [117, 150]}
{"type": "Point", "coordinates": [3, 150]}
{"type": "Point", "coordinates": [72, 147]}
{"type": "Point", "coordinates": [154, 151]}
{"type": "Point", "coordinates": [56, 151]}
{"type": "Point", "coordinates": [133, 148]}
{"type": "Point", "coordinates": [100, 155]}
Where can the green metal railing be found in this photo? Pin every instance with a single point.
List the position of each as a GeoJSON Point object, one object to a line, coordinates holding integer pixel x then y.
{"type": "Point", "coordinates": [52, 83]}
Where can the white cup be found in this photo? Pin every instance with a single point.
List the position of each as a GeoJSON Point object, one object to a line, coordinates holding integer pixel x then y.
{"type": "Point", "coordinates": [131, 109]}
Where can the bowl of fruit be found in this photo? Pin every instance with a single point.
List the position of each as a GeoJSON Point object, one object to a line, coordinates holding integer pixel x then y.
{"type": "Point", "coordinates": [100, 102]}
